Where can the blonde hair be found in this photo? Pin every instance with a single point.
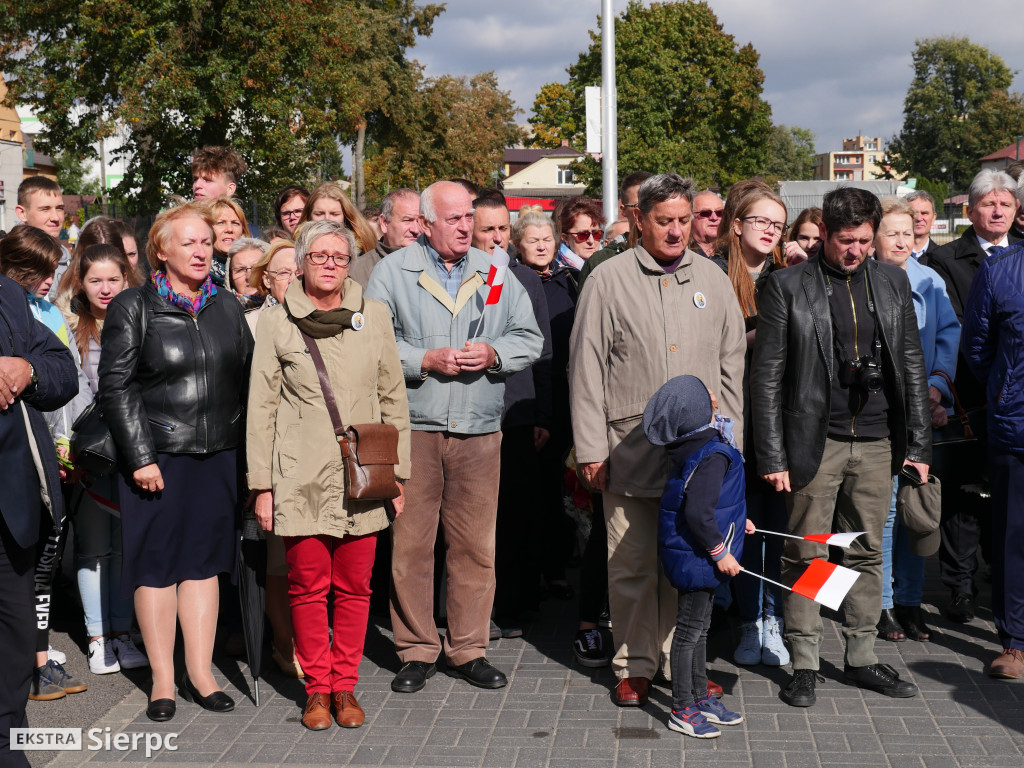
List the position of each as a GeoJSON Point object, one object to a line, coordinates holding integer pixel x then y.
{"type": "Point", "coordinates": [898, 205]}
{"type": "Point", "coordinates": [354, 220]}
{"type": "Point", "coordinates": [226, 202]}
{"type": "Point", "coordinates": [259, 271]}
{"type": "Point", "coordinates": [159, 239]}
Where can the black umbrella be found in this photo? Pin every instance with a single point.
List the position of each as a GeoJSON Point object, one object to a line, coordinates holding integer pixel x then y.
{"type": "Point", "coordinates": [252, 584]}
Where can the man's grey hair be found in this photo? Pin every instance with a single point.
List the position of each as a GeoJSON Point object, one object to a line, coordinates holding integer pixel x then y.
{"type": "Point", "coordinates": [427, 209]}
{"type": "Point", "coordinates": [920, 194]}
{"type": "Point", "coordinates": [245, 243]}
{"type": "Point", "coordinates": [312, 231]}
{"type": "Point", "coordinates": [707, 192]}
{"type": "Point", "coordinates": [662, 187]}
{"type": "Point", "coordinates": [987, 181]}
{"type": "Point", "coordinates": [387, 205]}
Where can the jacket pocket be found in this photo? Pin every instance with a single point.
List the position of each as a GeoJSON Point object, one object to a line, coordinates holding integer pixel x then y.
{"type": "Point", "coordinates": [168, 428]}
{"type": "Point", "coordinates": [288, 451]}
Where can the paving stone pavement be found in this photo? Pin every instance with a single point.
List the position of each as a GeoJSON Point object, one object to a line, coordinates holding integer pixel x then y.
{"type": "Point", "coordinates": [556, 714]}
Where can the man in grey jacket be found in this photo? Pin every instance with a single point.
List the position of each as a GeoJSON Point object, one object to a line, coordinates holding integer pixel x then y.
{"type": "Point", "coordinates": [455, 356]}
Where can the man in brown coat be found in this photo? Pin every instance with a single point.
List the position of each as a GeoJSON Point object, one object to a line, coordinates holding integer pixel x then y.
{"type": "Point", "coordinates": [657, 311]}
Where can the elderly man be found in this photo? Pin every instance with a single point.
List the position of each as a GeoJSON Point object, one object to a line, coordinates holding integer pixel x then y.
{"type": "Point", "coordinates": [399, 223]}
{"type": "Point", "coordinates": [707, 216]}
{"type": "Point", "coordinates": [654, 312]}
{"type": "Point", "coordinates": [965, 516]}
{"type": "Point", "coordinates": [924, 217]}
{"type": "Point", "coordinates": [435, 290]}
{"type": "Point", "coordinates": [840, 405]}
{"type": "Point", "coordinates": [992, 339]}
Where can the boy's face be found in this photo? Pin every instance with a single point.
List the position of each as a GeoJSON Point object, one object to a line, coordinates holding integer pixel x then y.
{"type": "Point", "coordinates": [210, 184]}
{"type": "Point", "coordinates": [44, 210]}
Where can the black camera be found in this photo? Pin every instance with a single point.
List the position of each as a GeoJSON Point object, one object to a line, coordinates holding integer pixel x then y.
{"type": "Point", "coordinates": [864, 373]}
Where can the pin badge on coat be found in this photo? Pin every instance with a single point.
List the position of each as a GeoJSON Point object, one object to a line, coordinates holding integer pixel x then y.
{"type": "Point", "coordinates": [358, 321]}
{"type": "Point", "coordinates": [699, 301]}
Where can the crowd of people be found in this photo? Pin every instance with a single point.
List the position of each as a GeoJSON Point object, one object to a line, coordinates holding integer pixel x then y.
{"type": "Point", "coordinates": [723, 375]}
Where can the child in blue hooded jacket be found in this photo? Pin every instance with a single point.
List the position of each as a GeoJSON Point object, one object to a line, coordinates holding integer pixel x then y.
{"type": "Point", "coordinates": [701, 523]}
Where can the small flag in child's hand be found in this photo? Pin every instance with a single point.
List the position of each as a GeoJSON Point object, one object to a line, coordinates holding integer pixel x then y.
{"type": "Point", "coordinates": [834, 539]}
{"type": "Point", "coordinates": [825, 583]}
{"type": "Point", "coordinates": [496, 274]}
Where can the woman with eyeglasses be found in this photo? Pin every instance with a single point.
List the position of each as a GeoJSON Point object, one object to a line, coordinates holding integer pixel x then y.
{"type": "Point", "coordinates": [295, 464]}
{"type": "Point", "coordinates": [289, 206]}
{"type": "Point", "coordinates": [751, 240]}
{"type": "Point", "coordinates": [582, 226]}
{"type": "Point", "coordinates": [243, 255]}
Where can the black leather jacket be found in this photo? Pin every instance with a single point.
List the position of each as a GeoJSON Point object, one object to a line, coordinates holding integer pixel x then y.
{"type": "Point", "coordinates": [793, 366]}
{"type": "Point", "coordinates": [182, 388]}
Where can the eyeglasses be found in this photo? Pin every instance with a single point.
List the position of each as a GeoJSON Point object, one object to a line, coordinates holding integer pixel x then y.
{"type": "Point", "coordinates": [762, 223]}
{"type": "Point", "coordinates": [586, 234]}
{"type": "Point", "coordinates": [241, 270]}
{"type": "Point", "coordinates": [319, 258]}
{"type": "Point", "coordinates": [709, 213]}
{"type": "Point", "coordinates": [293, 214]}
{"type": "Point", "coordinates": [630, 205]}
{"type": "Point", "coordinates": [282, 274]}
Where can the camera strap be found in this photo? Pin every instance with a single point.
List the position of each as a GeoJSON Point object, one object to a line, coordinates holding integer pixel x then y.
{"type": "Point", "coordinates": [837, 339]}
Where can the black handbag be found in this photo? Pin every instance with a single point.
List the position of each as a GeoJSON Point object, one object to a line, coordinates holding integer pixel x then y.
{"type": "Point", "coordinates": [92, 445]}
{"type": "Point", "coordinates": [957, 452]}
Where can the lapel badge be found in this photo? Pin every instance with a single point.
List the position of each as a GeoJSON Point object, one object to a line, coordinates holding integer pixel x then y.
{"type": "Point", "coordinates": [699, 301]}
{"type": "Point", "coordinates": [358, 321]}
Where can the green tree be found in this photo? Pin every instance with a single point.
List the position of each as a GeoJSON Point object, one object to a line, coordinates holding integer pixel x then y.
{"type": "Point", "coordinates": [280, 80]}
{"type": "Point", "coordinates": [72, 175]}
{"type": "Point", "coordinates": [451, 127]}
{"type": "Point", "coordinates": [689, 98]}
{"type": "Point", "coordinates": [957, 109]}
{"type": "Point", "coordinates": [790, 154]}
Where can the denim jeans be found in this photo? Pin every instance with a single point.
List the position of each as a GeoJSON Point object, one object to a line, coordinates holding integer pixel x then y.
{"type": "Point", "coordinates": [900, 565]}
{"type": "Point", "coordinates": [689, 648]}
{"type": "Point", "coordinates": [98, 565]}
{"type": "Point", "coordinates": [762, 554]}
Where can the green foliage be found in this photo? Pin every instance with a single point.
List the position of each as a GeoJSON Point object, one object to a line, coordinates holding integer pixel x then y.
{"type": "Point", "coordinates": [689, 98]}
{"type": "Point", "coordinates": [449, 127]}
{"type": "Point", "coordinates": [71, 175]}
{"type": "Point", "coordinates": [957, 109]}
{"type": "Point", "coordinates": [790, 154]}
{"type": "Point", "coordinates": [938, 189]}
{"type": "Point", "coordinates": [280, 80]}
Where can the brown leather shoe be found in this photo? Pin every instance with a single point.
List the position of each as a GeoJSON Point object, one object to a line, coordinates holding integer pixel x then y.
{"type": "Point", "coordinates": [714, 689]}
{"type": "Point", "coordinates": [317, 714]}
{"type": "Point", "coordinates": [632, 691]}
{"type": "Point", "coordinates": [347, 711]}
{"type": "Point", "coordinates": [1009, 666]}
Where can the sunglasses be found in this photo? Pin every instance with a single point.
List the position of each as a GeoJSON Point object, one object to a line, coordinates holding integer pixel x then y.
{"type": "Point", "coordinates": [586, 234]}
{"type": "Point", "coordinates": [708, 213]}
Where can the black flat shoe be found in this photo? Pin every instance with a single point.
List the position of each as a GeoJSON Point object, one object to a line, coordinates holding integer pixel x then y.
{"type": "Point", "coordinates": [161, 710]}
{"type": "Point", "coordinates": [890, 629]}
{"type": "Point", "coordinates": [412, 676]}
{"type": "Point", "coordinates": [881, 678]}
{"type": "Point", "coordinates": [479, 672]}
{"type": "Point", "coordinates": [218, 701]}
{"type": "Point", "coordinates": [911, 618]}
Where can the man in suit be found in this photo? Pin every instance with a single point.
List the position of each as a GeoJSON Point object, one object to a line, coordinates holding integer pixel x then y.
{"type": "Point", "coordinates": [924, 217]}
{"type": "Point", "coordinates": [840, 406]}
{"type": "Point", "coordinates": [37, 374]}
{"type": "Point", "coordinates": [991, 207]}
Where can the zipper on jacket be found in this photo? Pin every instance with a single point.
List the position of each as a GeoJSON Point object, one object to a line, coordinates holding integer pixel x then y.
{"type": "Point", "coordinates": [856, 354]}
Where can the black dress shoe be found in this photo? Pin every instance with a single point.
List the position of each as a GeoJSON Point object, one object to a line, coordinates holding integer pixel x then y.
{"type": "Point", "coordinates": [888, 628]}
{"type": "Point", "coordinates": [961, 609]}
{"type": "Point", "coordinates": [480, 673]}
{"type": "Point", "coordinates": [218, 701]}
{"type": "Point", "coordinates": [880, 678]}
{"type": "Point", "coordinates": [412, 676]}
{"type": "Point", "coordinates": [800, 690]}
{"type": "Point", "coordinates": [911, 618]}
{"type": "Point", "coordinates": [161, 710]}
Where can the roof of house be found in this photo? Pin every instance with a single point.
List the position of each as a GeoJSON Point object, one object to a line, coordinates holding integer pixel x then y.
{"type": "Point", "coordinates": [1011, 152]}
{"type": "Point", "coordinates": [533, 155]}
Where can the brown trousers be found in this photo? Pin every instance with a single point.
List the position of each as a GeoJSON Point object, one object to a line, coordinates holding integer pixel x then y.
{"type": "Point", "coordinates": [455, 481]}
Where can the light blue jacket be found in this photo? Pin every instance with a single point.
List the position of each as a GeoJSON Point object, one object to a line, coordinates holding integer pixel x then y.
{"type": "Point", "coordinates": [426, 318]}
{"type": "Point", "coordinates": [936, 323]}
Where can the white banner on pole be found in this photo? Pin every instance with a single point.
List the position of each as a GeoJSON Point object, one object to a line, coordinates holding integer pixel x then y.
{"type": "Point", "coordinates": [592, 95]}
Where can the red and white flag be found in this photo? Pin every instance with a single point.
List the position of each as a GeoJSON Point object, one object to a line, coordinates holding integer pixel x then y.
{"type": "Point", "coordinates": [496, 275]}
{"type": "Point", "coordinates": [825, 583]}
{"type": "Point", "coordinates": [843, 540]}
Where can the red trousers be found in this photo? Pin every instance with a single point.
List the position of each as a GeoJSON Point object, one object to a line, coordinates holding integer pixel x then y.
{"type": "Point", "coordinates": [317, 564]}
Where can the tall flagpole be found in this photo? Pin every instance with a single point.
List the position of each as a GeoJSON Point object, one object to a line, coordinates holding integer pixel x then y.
{"type": "Point", "coordinates": [609, 115]}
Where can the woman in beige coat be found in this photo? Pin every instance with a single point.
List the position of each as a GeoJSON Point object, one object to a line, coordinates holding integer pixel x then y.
{"type": "Point", "coordinates": [295, 462]}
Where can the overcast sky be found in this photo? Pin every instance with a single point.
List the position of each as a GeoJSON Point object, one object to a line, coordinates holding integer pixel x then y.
{"type": "Point", "coordinates": [828, 67]}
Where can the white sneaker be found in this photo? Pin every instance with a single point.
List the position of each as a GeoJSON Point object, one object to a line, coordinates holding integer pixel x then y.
{"type": "Point", "coordinates": [748, 652]}
{"type": "Point", "coordinates": [129, 656]}
{"type": "Point", "coordinates": [773, 650]}
{"type": "Point", "coordinates": [102, 659]}
{"type": "Point", "coordinates": [52, 654]}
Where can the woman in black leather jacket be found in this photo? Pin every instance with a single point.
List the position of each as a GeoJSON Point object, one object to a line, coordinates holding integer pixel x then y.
{"type": "Point", "coordinates": [173, 373]}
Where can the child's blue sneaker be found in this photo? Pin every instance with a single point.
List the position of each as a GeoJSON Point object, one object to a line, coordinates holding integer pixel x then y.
{"type": "Point", "coordinates": [715, 712]}
{"type": "Point", "coordinates": [692, 722]}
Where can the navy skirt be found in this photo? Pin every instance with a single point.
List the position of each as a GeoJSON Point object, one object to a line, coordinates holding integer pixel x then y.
{"type": "Point", "coordinates": [187, 532]}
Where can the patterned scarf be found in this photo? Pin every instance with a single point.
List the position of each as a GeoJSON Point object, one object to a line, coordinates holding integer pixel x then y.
{"type": "Point", "coordinates": [190, 305]}
{"type": "Point", "coordinates": [567, 258]}
{"type": "Point", "coordinates": [251, 300]}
